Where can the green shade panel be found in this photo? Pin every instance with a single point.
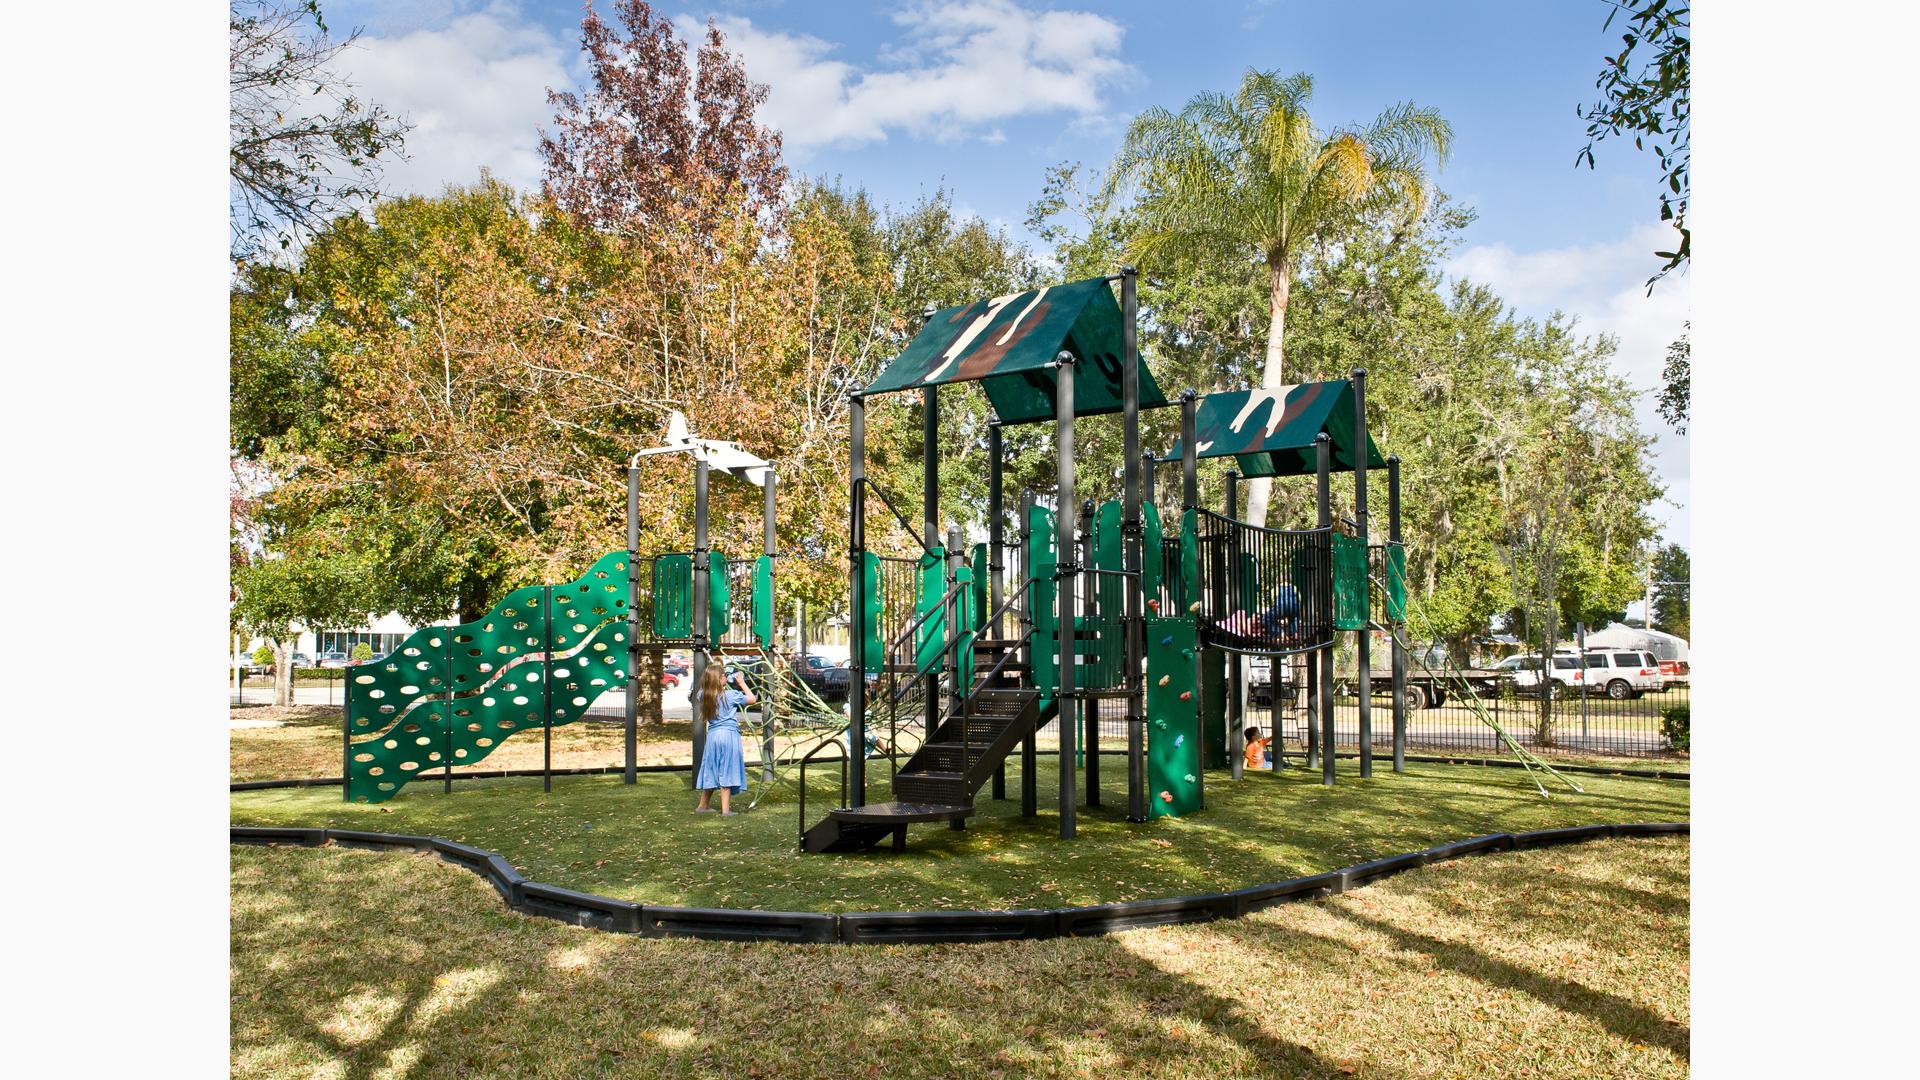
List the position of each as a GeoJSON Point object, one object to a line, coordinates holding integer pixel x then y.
{"type": "Point", "coordinates": [1272, 432]}
{"type": "Point", "coordinates": [1349, 582]}
{"type": "Point", "coordinates": [1109, 553]}
{"type": "Point", "coordinates": [1041, 563]}
{"type": "Point", "coordinates": [870, 605]}
{"type": "Point", "coordinates": [763, 601]}
{"type": "Point", "coordinates": [1009, 344]}
{"type": "Point", "coordinates": [929, 636]}
{"type": "Point", "coordinates": [1173, 750]}
{"type": "Point", "coordinates": [672, 597]}
{"type": "Point", "coordinates": [719, 596]}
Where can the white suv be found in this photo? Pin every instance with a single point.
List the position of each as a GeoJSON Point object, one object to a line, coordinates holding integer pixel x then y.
{"type": "Point", "coordinates": [1623, 673]}
{"type": "Point", "coordinates": [1568, 672]}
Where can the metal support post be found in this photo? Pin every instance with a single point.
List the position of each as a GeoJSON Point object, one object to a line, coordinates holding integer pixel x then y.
{"type": "Point", "coordinates": [769, 701]}
{"type": "Point", "coordinates": [1029, 752]}
{"type": "Point", "coordinates": [1363, 649]}
{"type": "Point", "coordinates": [857, 594]}
{"type": "Point", "coordinates": [1089, 705]}
{"type": "Point", "coordinates": [1064, 549]}
{"type": "Point", "coordinates": [1190, 503]}
{"type": "Point", "coordinates": [631, 737]}
{"type": "Point", "coordinates": [1323, 464]}
{"type": "Point", "coordinates": [1397, 621]}
{"type": "Point", "coordinates": [996, 562]}
{"type": "Point", "coordinates": [1236, 664]}
{"type": "Point", "coordinates": [701, 590]}
{"type": "Point", "coordinates": [1134, 626]}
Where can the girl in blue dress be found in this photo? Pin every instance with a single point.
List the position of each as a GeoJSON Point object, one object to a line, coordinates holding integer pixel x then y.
{"type": "Point", "coordinates": [722, 768]}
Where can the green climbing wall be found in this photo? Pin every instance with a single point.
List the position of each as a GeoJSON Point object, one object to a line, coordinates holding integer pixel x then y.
{"type": "Point", "coordinates": [1349, 582]}
{"type": "Point", "coordinates": [1151, 563]}
{"type": "Point", "coordinates": [982, 602]}
{"type": "Point", "coordinates": [1173, 753]}
{"type": "Point", "coordinates": [930, 635]}
{"type": "Point", "coordinates": [453, 693]}
{"type": "Point", "coordinates": [762, 606]}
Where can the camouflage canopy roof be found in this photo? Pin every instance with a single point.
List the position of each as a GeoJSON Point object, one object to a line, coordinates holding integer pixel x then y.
{"type": "Point", "coordinates": [1008, 343]}
{"type": "Point", "coordinates": [1271, 432]}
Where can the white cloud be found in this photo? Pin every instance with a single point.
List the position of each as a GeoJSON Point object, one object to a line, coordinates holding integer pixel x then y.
{"type": "Point", "coordinates": [961, 67]}
{"type": "Point", "coordinates": [475, 92]}
{"type": "Point", "coordinates": [1605, 285]}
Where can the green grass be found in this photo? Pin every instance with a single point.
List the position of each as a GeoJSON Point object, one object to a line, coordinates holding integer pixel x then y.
{"type": "Point", "coordinates": [644, 842]}
{"type": "Point", "coordinates": [1567, 962]}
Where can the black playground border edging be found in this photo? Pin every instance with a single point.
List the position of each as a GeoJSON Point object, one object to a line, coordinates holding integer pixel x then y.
{"type": "Point", "coordinates": [922, 927]}
{"type": "Point", "coordinates": [598, 770]}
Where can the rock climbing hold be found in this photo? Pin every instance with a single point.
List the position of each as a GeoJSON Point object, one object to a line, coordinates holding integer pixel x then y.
{"type": "Point", "coordinates": [1186, 695]}
{"type": "Point", "coordinates": [1178, 739]}
{"type": "Point", "coordinates": [1168, 640]}
{"type": "Point", "coordinates": [1164, 679]}
{"type": "Point", "coordinates": [1193, 608]}
{"type": "Point", "coordinates": [1189, 778]}
{"type": "Point", "coordinates": [1166, 796]}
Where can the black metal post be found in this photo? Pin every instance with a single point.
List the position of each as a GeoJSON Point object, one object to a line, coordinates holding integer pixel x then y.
{"type": "Point", "coordinates": [546, 693]}
{"type": "Point", "coordinates": [346, 739]}
{"type": "Point", "coordinates": [1236, 678]}
{"type": "Point", "coordinates": [1029, 751]}
{"type": "Point", "coordinates": [857, 593]}
{"type": "Point", "coordinates": [1323, 464]}
{"type": "Point", "coordinates": [1397, 620]}
{"type": "Point", "coordinates": [1363, 648]}
{"type": "Point", "coordinates": [1065, 574]}
{"type": "Point", "coordinates": [632, 735]}
{"type": "Point", "coordinates": [996, 564]}
{"type": "Point", "coordinates": [1089, 705]}
{"type": "Point", "coordinates": [1190, 502]}
{"type": "Point", "coordinates": [930, 494]}
{"type": "Point", "coordinates": [770, 546]}
{"type": "Point", "coordinates": [701, 590]}
{"type": "Point", "coordinates": [446, 717]}
{"type": "Point", "coordinates": [1134, 626]}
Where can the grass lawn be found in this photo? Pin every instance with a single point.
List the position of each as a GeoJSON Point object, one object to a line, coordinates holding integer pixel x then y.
{"type": "Point", "coordinates": [1569, 962]}
{"type": "Point", "coordinates": [644, 843]}
{"type": "Point", "coordinates": [308, 744]}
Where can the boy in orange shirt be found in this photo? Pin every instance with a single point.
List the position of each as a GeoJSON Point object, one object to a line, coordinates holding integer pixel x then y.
{"type": "Point", "coordinates": [1256, 749]}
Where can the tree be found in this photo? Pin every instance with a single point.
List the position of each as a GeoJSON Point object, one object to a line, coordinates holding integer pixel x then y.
{"type": "Point", "coordinates": [1672, 591]}
{"type": "Point", "coordinates": [280, 595]}
{"type": "Point", "coordinates": [301, 147]}
{"type": "Point", "coordinates": [1251, 177]}
{"type": "Point", "coordinates": [655, 145]}
{"type": "Point", "coordinates": [1644, 92]}
{"type": "Point", "coordinates": [1677, 396]}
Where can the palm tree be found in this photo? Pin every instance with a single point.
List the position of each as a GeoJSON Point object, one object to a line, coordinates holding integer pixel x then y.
{"type": "Point", "coordinates": [1249, 176]}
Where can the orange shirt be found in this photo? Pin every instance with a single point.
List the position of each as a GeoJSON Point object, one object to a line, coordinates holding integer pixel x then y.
{"type": "Point", "coordinates": [1256, 756]}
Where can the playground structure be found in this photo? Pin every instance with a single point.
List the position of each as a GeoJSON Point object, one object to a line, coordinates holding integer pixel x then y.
{"type": "Point", "coordinates": [449, 694]}
{"type": "Point", "coordinates": [1112, 610]}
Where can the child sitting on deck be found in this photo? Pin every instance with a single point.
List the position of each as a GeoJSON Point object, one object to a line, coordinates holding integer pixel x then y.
{"type": "Point", "coordinates": [1257, 756]}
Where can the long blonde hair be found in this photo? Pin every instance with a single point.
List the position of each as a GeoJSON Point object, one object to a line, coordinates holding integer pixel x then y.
{"type": "Point", "coordinates": [712, 680]}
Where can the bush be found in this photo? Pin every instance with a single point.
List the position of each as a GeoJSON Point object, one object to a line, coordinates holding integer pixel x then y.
{"type": "Point", "coordinates": [1675, 725]}
{"type": "Point", "coordinates": [362, 651]}
{"type": "Point", "coordinates": [263, 656]}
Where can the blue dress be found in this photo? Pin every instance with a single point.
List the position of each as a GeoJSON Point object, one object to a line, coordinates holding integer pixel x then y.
{"type": "Point", "coordinates": [721, 766]}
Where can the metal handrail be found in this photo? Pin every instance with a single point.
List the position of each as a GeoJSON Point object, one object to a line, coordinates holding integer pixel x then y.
{"type": "Point", "coordinates": [804, 761]}
{"type": "Point", "coordinates": [1204, 512]}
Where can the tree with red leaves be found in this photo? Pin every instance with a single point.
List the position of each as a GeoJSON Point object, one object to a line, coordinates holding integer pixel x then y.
{"type": "Point", "coordinates": [657, 143]}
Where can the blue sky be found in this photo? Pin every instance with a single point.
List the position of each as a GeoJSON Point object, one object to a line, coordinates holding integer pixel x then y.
{"type": "Point", "coordinates": [983, 95]}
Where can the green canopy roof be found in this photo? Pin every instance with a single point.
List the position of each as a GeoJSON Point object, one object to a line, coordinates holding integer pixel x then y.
{"type": "Point", "coordinates": [1008, 343]}
{"type": "Point", "coordinates": [1271, 432]}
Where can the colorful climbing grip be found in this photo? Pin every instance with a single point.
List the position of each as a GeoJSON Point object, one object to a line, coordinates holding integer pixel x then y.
{"type": "Point", "coordinates": [1186, 695]}
{"type": "Point", "coordinates": [1178, 739]}
{"type": "Point", "coordinates": [1189, 778]}
{"type": "Point", "coordinates": [1154, 605]}
{"type": "Point", "coordinates": [1161, 724]}
{"type": "Point", "coordinates": [1193, 608]}
{"type": "Point", "coordinates": [1166, 796]}
{"type": "Point", "coordinates": [1164, 679]}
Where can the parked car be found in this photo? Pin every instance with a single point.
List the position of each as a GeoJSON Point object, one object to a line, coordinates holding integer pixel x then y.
{"type": "Point", "coordinates": [332, 659]}
{"type": "Point", "coordinates": [1568, 672]}
{"type": "Point", "coordinates": [813, 671]}
{"type": "Point", "coordinates": [669, 680]}
{"type": "Point", "coordinates": [839, 680]}
{"type": "Point", "coordinates": [1623, 673]}
{"type": "Point", "coordinates": [678, 665]}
